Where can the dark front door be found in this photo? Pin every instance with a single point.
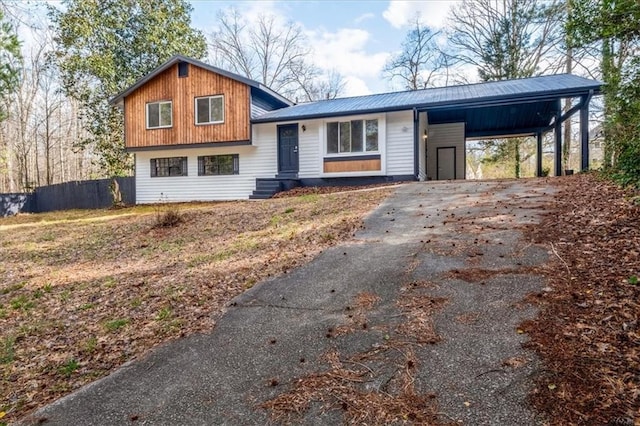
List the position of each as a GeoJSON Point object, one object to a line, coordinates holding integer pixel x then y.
{"type": "Point", "coordinates": [288, 150]}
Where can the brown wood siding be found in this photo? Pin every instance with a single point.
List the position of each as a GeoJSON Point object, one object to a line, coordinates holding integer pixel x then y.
{"type": "Point", "coordinates": [352, 166]}
{"type": "Point", "coordinates": [182, 91]}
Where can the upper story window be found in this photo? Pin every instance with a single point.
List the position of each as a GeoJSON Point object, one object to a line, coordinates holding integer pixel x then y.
{"type": "Point", "coordinates": [171, 166]}
{"type": "Point", "coordinates": [210, 110]}
{"type": "Point", "coordinates": [183, 69]}
{"type": "Point", "coordinates": [352, 136]}
{"type": "Point", "coordinates": [159, 115]}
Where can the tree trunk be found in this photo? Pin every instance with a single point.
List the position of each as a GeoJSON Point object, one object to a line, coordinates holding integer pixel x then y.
{"type": "Point", "coordinates": [566, 148]}
{"type": "Point", "coordinates": [609, 102]}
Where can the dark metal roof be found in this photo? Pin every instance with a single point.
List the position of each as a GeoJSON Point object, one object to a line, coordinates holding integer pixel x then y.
{"type": "Point", "coordinates": [180, 58]}
{"type": "Point", "coordinates": [496, 93]}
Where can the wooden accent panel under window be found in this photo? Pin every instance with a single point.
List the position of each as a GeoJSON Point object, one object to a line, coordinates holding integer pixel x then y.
{"type": "Point", "coordinates": [352, 166]}
{"type": "Point", "coordinates": [182, 92]}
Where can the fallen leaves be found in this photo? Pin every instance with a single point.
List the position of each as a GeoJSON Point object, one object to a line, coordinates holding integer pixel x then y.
{"type": "Point", "coordinates": [588, 331]}
{"type": "Point", "coordinates": [83, 292]}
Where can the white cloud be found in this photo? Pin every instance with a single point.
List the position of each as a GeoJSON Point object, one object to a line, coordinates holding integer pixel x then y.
{"type": "Point", "coordinates": [433, 12]}
{"type": "Point", "coordinates": [355, 86]}
{"type": "Point", "coordinates": [257, 9]}
{"type": "Point", "coordinates": [344, 51]}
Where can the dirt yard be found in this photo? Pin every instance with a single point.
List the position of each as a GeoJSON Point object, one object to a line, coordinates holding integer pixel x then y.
{"type": "Point", "coordinates": [83, 292]}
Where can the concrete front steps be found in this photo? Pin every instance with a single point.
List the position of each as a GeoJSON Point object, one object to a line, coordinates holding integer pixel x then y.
{"type": "Point", "coordinates": [268, 187]}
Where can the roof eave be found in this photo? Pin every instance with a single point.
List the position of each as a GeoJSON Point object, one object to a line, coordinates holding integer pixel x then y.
{"type": "Point", "coordinates": [476, 103]}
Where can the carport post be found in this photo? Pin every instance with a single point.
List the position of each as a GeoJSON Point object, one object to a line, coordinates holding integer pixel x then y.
{"type": "Point", "coordinates": [539, 154]}
{"type": "Point", "coordinates": [584, 133]}
{"type": "Point", "coordinates": [558, 148]}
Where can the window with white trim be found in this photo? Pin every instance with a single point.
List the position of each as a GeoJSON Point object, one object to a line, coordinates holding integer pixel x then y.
{"type": "Point", "coordinates": [210, 110]}
{"type": "Point", "coordinates": [159, 115]}
{"type": "Point", "coordinates": [215, 165]}
{"type": "Point", "coordinates": [167, 167]}
{"type": "Point", "coordinates": [352, 136]}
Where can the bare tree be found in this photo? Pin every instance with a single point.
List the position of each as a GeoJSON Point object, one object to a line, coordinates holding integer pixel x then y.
{"type": "Point", "coordinates": [420, 61]}
{"type": "Point", "coordinates": [39, 140]}
{"type": "Point", "coordinates": [273, 54]}
{"type": "Point", "coordinates": [23, 115]}
{"type": "Point", "coordinates": [315, 86]}
{"type": "Point", "coordinates": [506, 39]}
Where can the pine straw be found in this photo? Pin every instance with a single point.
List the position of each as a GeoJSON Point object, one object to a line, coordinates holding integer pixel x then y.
{"type": "Point", "coordinates": [419, 310]}
{"type": "Point", "coordinates": [341, 388]}
{"type": "Point", "coordinates": [356, 313]}
{"type": "Point", "coordinates": [366, 300]}
{"type": "Point", "coordinates": [588, 331]}
{"type": "Point", "coordinates": [347, 385]}
{"type": "Point", "coordinates": [480, 275]}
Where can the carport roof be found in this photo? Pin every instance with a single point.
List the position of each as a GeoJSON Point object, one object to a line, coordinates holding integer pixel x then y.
{"type": "Point", "coordinates": [537, 92]}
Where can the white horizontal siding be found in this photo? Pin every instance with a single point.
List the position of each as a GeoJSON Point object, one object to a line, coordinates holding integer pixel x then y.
{"type": "Point", "coordinates": [255, 161]}
{"type": "Point", "coordinates": [399, 148]}
{"type": "Point", "coordinates": [446, 135]}
{"type": "Point", "coordinates": [309, 147]}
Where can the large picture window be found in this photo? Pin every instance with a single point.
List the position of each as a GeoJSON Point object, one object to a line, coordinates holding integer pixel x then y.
{"type": "Point", "coordinates": [210, 110]}
{"type": "Point", "coordinates": [214, 165]}
{"type": "Point", "coordinates": [172, 166]}
{"type": "Point", "coordinates": [352, 136]}
{"type": "Point", "coordinates": [159, 115]}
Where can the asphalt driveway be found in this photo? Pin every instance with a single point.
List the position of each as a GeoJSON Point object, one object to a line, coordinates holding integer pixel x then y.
{"type": "Point", "coordinates": [425, 302]}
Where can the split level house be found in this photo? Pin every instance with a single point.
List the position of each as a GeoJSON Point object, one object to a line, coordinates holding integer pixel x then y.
{"type": "Point", "coordinates": [202, 133]}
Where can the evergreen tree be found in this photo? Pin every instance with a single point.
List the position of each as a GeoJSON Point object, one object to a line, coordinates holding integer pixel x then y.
{"type": "Point", "coordinates": [10, 59]}
{"type": "Point", "coordinates": [614, 25]}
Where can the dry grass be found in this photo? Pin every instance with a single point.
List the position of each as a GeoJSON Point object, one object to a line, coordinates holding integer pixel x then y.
{"type": "Point", "coordinates": [82, 292]}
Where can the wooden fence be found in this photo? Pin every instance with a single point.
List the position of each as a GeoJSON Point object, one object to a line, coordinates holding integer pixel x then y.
{"type": "Point", "coordinates": [87, 194]}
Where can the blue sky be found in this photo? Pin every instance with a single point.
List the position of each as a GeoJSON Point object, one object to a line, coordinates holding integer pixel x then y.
{"type": "Point", "coordinates": [353, 37]}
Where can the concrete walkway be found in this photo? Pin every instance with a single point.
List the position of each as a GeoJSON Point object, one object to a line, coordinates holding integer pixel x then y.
{"type": "Point", "coordinates": [459, 242]}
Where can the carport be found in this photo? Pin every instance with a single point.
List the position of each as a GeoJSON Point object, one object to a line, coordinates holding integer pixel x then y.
{"type": "Point", "coordinates": [525, 107]}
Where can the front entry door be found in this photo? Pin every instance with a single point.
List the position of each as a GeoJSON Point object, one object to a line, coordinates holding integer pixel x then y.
{"type": "Point", "coordinates": [288, 150]}
{"type": "Point", "coordinates": [446, 163]}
